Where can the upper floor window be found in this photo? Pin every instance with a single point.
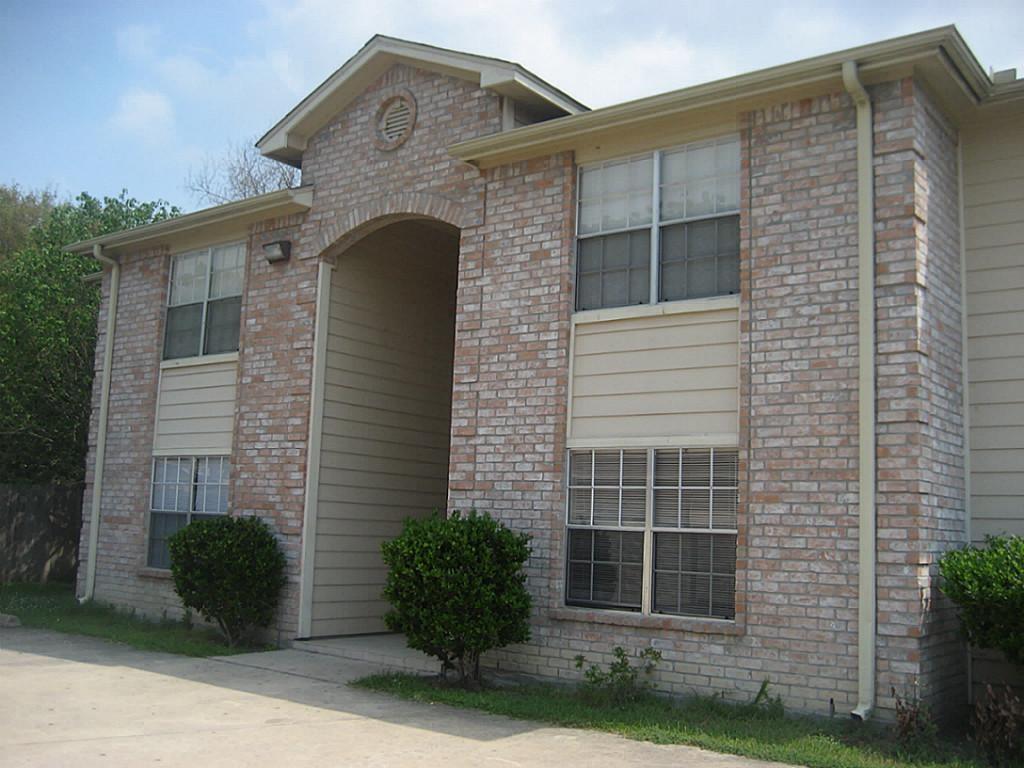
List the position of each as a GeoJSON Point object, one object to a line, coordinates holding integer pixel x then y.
{"type": "Point", "coordinates": [663, 225]}
{"type": "Point", "coordinates": [205, 301]}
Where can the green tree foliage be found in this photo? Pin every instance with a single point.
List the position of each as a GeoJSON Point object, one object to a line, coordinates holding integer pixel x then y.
{"type": "Point", "coordinates": [457, 588]}
{"type": "Point", "coordinates": [48, 337]}
{"type": "Point", "coordinates": [987, 585]}
{"type": "Point", "coordinates": [20, 210]}
{"type": "Point", "coordinates": [230, 570]}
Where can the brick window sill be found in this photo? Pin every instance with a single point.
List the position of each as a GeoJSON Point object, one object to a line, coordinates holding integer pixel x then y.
{"type": "Point", "coordinates": [623, 619]}
{"type": "Point", "coordinates": [158, 574]}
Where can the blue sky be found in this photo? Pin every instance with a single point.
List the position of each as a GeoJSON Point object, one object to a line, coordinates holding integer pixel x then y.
{"type": "Point", "coordinates": [102, 96]}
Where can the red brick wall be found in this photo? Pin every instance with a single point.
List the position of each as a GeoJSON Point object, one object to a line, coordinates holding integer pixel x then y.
{"type": "Point", "coordinates": [268, 463]}
{"type": "Point", "coordinates": [946, 525]}
{"type": "Point", "coordinates": [797, 618]}
{"type": "Point", "coordinates": [138, 339]}
{"type": "Point", "coordinates": [796, 621]}
{"type": "Point", "coordinates": [798, 542]}
{"type": "Point", "coordinates": [510, 390]}
{"type": "Point", "coordinates": [357, 187]}
{"type": "Point", "coordinates": [358, 184]}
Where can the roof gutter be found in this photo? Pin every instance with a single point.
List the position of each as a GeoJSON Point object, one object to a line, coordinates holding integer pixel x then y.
{"type": "Point", "coordinates": [279, 203]}
{"type": "Point", "coordinates": [866, 589]}
{"type": "Point", "coordinates": [101, 429]}
{"type": "Point", "coordinates": [872, 60]}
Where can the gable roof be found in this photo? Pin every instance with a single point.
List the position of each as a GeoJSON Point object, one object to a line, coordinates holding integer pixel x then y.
{"type": "Point", "coordinates": [287, 140]}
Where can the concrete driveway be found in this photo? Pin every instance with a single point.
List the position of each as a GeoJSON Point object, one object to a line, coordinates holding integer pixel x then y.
{"type": "Point", "coordinates": [76, 701]}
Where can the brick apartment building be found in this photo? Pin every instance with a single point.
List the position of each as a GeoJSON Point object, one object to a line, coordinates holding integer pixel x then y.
{"type": "Point", "coordinates": [744, 359]}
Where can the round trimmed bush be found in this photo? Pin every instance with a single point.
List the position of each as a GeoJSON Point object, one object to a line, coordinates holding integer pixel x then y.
{"type": "Point", "coordinates": [987, 585]}
{"type": "Point", "coordinates": [230, 570]}
{"type": "Point", "coordinates": [457, 588]}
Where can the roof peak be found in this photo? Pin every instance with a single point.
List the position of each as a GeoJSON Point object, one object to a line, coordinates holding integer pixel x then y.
{"type": "Point", "coordinates": [287, 140]}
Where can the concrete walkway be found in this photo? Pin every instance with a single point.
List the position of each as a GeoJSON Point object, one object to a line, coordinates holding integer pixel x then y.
{"type": "Point", "coordinates": [75, 701]}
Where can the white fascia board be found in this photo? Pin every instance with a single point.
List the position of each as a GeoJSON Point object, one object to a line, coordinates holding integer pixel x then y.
{"type": "Point", "coordinates": [875, 60]}
{"type": "Point", "coordinates": [279, 203]}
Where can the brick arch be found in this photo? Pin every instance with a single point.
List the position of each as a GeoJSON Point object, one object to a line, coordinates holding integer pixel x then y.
{"type": "Point", "coordinates": [360, 220]}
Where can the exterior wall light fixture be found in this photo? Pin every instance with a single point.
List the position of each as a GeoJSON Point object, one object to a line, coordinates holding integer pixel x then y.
{"type": "Point", "coordinates": [279, 250]}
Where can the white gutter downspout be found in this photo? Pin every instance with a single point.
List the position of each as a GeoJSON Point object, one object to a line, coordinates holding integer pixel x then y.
{"type": "Point", "coordinates": [866, 598]}
{"type": "Point", "coordinates": [316, 424]}
{"type": "Point", "coordinates": [101, 428]}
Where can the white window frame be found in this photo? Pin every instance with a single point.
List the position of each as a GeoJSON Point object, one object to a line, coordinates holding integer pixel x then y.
{"type": "Point", "coordinates": [208, 250]}
{"type": "Point", "coordinates": [648, 529]}
{"type": "Point", "coordinates": [656, 223]}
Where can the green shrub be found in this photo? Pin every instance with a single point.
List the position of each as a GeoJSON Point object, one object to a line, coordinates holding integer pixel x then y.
{"type": "Point", "coordinates": [622, 683]}
{"type": "Point", "coordinates": [230, 570]}
{"type": "Point", "coordinates": [457, 588]}
{"type": "Point", "coordinates": [987, 584]}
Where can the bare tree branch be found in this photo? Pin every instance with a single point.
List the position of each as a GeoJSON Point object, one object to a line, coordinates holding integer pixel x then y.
{"type": "Point", "coordinates": [240, 172]}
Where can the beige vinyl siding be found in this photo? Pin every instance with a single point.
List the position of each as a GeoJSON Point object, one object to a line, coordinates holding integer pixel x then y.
{"type": "Point", "coordinates": [656, 376]}
{"type": "Point", "coordinates": [993, 155]}
{"type": "Point", "coordinates": [387, 410]}
{"type": "Point", "coordinates": [993, 170]}
{"type": "Point", "coordinates": [196, 408]}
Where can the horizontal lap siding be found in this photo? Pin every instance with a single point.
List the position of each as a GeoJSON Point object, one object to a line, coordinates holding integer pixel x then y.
{"type": "Point", "coordinates": [660, 376]}
{"type": "Point", "coordinates": [384, 451]}
{"type": "Point", "coordinates": [994, 230]}
{"type": "Point", "coordinates": [196, 408]}
{"type": "Point", "coordinates": [993, 156]}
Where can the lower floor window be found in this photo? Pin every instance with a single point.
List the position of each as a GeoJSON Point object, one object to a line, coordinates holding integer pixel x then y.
{"type": "Point", "coordinates": [653, 531]}
{"type": "Point", "coordinates": [185, 488]}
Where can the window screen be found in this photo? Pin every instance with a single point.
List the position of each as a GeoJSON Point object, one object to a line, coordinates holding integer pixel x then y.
{"type": "Point", "coordinates": [184, 331]}
{"type": "Point", "coordinates": [614, 270]}
{"type": "Point", "coordinates": [700, 259]}
{"type": "Point", "coordinates": [223, 317]}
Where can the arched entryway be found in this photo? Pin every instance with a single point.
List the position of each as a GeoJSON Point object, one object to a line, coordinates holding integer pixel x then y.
{"type": "Point", "coordinates": [386, 411]}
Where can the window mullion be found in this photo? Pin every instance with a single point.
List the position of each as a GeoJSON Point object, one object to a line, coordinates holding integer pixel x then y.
{"type": "Point", "coordinates": [711, 492]}
{"type": "Point", "coordinates": [655, 227]}
{"type": "Point", "coordinates": [679, 493]}
{"type": "Point", "coordinates": [206, 301]}
{"type": "Point", "coordinates": [622, 460]}
{"type": "Point", "coordinates": [647, 583]}
{"type": "Point", "coordinates": [195, 488]}
{"type": "Point", "coordinates": [593, 485]}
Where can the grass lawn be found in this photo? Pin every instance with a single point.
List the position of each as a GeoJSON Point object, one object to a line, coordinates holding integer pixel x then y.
{"type": "Point", "coordinates": [53, 606]}
{"type": "Point", "coordinates": [758, 732]}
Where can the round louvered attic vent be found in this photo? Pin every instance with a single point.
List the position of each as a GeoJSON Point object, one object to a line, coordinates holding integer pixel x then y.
{"type": "Point", "coordinates": [395, 121]}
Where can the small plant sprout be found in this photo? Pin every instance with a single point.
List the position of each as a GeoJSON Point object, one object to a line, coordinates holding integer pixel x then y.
{"type": "Point", "coordinates": [623, 681]}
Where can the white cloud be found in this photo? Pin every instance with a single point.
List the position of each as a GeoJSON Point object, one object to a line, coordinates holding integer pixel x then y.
{"type": "Point", "coordinates": [541, 35]}
{"type": "Point", "coordinates": [210, 91]}
{"type": "Point", "coordinates": [137, 41]}
{"type": "Point", "coordinates": [145, 115]}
